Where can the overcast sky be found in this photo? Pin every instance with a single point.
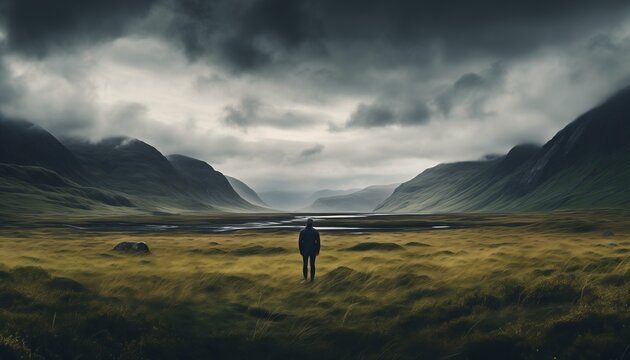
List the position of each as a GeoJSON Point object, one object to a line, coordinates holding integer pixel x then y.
{"type": "Point", "coordinates": [311, 94]}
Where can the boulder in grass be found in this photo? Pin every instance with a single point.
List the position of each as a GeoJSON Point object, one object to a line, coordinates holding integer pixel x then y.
{"type": "Point", "coordinates": [65, 284]}
{"type": "Point", "coordinates": [139, 247]}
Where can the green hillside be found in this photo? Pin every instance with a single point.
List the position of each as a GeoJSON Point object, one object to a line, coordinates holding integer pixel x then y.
{"type": "Point", "coordinates": [36, 190]}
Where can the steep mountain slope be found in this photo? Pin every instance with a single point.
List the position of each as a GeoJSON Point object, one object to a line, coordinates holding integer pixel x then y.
{"type": "Point", "coordinates": [585, 165]}
{"type": "Point", "coordinates": [24, 143]}
{"type": "Point", "coordinates": [364, 200]}
{"type": "Point", "coordinates": [209, 184]}
{"type": "Point", "coordinates": [137, 169]}
{"type": "Point", "coordinates": [38, 174]}
{"type": "Point", "coordinates": [128, 165]}
{"type": "Point", "coordinates": [593, 137]}
{"type": "Point", "coordinates": [246, 192]}
{"type": "Point", "coordinates": [444, 188]}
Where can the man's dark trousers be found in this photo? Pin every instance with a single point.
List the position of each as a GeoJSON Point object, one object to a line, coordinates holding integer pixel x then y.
{"type": "Point", "coordinates": [305, 259]}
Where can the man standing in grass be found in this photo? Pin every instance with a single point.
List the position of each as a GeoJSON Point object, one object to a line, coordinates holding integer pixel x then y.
{"type": "Point", "coordinates": [309, 247]}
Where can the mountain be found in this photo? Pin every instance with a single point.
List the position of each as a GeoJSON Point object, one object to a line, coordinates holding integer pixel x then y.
{"type": "Point", "coordinates": [128, 165]}
{"type": "Point", "coordinates": [284, 200]}
{"type": "Point", "coordinates": [167, 184]}
{"type": "Point", "coordinates": [41, 175]}
{"type": "Point", "coordinates": [209, 184]}
{"type": "Point", "coordinates": [246, 192]}
{"type": "Point", "coordinates": [585, 165]}
{"type": "Point", "coordinates": [364, 200]}
{"type": "Point", "coordinates": [328, 193]}
{"type": "Point", "coordinates": [293, 200]}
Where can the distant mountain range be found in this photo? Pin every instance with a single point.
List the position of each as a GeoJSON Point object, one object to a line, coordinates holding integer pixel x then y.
{"type": "Point", "coordinates": [585, 165]}
{"type": "Point", "coordinates": [364, 200]}
{"type": "Point", "coordinates": [41, 174]}
{"type": "Point", "coordinates": [296, 200]}
{"type": "Point", "coordinates": [246, 192]}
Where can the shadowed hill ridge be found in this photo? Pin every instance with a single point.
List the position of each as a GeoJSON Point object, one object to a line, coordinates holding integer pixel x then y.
{"type": "Point", "coordinates": [128, 165]}
{"type": "Point", "coordinates": [24, 143]}
{"type": "Point", "coordinates": [594, 136]}
{"type": "Point", "coordinates": [209, 183]}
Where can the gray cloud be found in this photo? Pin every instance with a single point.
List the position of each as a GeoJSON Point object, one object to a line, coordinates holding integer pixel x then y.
{"type": "Point", "coordinates": [381, 113]}
{"type": "Point", "coordinates": [60, 109]}
{"type": "Point", "coordinates": [372, 116]}
{"type": "Point", "coordinates": [244, 114]}
{"type": "Point", "coordinates": [8, 90]}
{"type": "Point", "coordinates": [473, 90]}
{"type": "Point", "coordinates": [312, 151]}
{"type": "Point", "coordinates": [251, 112]}
{"type": "Point", "coordinates": [132, 119]}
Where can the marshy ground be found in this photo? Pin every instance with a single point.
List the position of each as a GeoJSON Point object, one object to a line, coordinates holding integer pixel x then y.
{"type": "Point", "coordinates": [538, 286]}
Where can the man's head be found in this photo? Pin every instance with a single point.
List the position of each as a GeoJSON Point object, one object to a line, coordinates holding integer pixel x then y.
{"type": "Point", "coordinates": [309, 222]}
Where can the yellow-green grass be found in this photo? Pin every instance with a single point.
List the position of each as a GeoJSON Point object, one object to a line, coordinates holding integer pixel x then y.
{"type": "Point", "coordinates": [531, 286]}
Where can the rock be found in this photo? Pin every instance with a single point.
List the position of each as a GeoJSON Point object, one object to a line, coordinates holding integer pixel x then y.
{"type": "Point", "coordinates": [612, 244]}
{"type": "Point", "coordinates": [608, 233]}
{"type": "Point", "coordinates": [133, 247]}
{"type": "Point", "coordinates": [65, 284]}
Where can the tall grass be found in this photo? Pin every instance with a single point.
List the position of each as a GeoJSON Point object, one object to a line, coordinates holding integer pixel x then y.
{"type": "Point", "coordinates": [523, 289]}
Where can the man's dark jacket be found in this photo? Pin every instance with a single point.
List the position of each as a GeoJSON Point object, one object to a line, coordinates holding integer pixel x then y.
{"type": "Point", "coordinates": [309, 241]}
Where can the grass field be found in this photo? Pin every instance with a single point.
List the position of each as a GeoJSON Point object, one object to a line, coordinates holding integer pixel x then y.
{"type": "Point", "coordinates": [507, 287]}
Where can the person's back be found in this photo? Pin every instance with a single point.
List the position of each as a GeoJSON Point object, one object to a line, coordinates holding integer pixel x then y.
{"type": "Point", "coordinates": [309, 241]}
{"type": "Point", "coordinates": [309, 244]}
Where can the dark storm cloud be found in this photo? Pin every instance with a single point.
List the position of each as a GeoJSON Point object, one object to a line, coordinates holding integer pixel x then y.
{"type": "Point", "coordinates": [250, 34]}
{"type": "Point", "coordinates": [8, 90]}
{"type": "Point", "coordinates": [372, 116]}
{"type": "Point", "coordinates": [35, 27]}
{"type": "Point", "coordinates": [243, 34]}
{"type": "Point", "coordinates": [470, 91]}
{"type": "Point", "coordinates": [251, 112]}
{"type": "Point", "coordinates": [254, 33]}
{"type": "Point", "coordinates": [473, 90]}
